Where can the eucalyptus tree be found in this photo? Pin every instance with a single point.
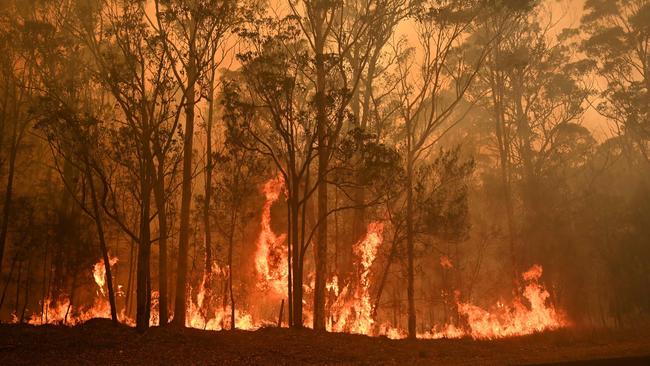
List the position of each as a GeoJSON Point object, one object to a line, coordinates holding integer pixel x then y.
{"type": "Point", "coordinates": [266, 111]}
{"type": "Point", "coordinates": [128, 61]}
{"type": "Point", "coordinates": [19, 82]}
{"type": "Point", "coordinates": [618, 43]}
{"type": "Point", "coordinates": [190, 34]}
{"type": "Point", "coordinates": [534, 86]}
{"type": "Point", "coordinates": [434, 84]}
{"type": "Point", "coordinates": [338, 35]}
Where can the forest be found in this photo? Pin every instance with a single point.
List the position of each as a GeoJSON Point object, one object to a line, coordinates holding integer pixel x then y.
{"type": "Point", "coordinates": [401, 169]}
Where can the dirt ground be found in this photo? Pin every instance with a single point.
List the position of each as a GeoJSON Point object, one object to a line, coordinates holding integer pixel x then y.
{"type": "Point", "coordinates": [99, 342]}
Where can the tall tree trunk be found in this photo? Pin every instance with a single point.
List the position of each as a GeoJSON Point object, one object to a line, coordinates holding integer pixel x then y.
{"type": "Point", "coordinates": [186, 195]}
{"type": "Point", "coordinates": [231, 242]}
{"type": "Point", "coordinates": [410, 243]}
{"type": "Point", "coordinates": [6, 210]}
{"type": "Point", "coordinates": [504, 164]}
{"type": "Point", "coordinates": [143, 274]}
{"type": "Point", "coordinates": [206, 202]}
{"type": "Point", "coordinates": [297, 257]}
{"type": "Point", "coordinates": [143, 286]}
{"type": "Point", "coordinates": [6, 286]}
{"type": "Point", "coordinates": [323, 157]}
{"type": "Point", "coordinates": [290, 241]}
{"type": "Point", "coordinates": [159, 194]}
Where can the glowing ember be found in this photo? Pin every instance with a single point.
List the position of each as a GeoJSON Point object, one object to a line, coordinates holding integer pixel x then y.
{"type": "Point", "coordinates": [445, 262]}
{"type": "Point", "coordinates": [271, 255]}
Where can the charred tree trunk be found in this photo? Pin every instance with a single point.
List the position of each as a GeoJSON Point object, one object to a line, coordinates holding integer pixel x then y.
{"type": "Point", "coordinates": [231, 243]}
{"type": "Point", "coordinates": [26, 296]}
{"type": "Point", "coordinates": [6, 286]}
{"type": "Point", "coordinates": [20, 271]}
{"type": "Point", "coordinates": [186, 195]}
{"type": "Point", "coordinates": [143, 274]}
{"type": "Point", "coordinates": [143, 286]}
{"type": "Point", "coordinates": [410, 243]}
{"type": "Point", "coordinates": [102, 243]}
{"type": "Point", "coordinates": [297, 257]}
{"type": "Point", "coordinates": [504, 163]}
{"type": "Point", "coordinates": [159, 194]}
{"type": "Point", "coordinates": [323, 158]}
{"type": "Point", "coordinates": [290, 241]}
{"type": "Point", "coordinates": [6, 209]}
{"type": "Point", "coordinates": [206, 203]}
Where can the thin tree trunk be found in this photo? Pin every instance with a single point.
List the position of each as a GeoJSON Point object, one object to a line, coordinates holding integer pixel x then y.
{"type": "Point", "coordinates": [143, 286]}
{"type": "Point", "coordinates": [159, 195]}
{"type": "Point", "coordinates": [129, 282]}
{"type": "Point", "coordinates": [20, 270]}
{"type": "Point", "coordinates": [143, 274]}
{"type": "Point", "coordinates": [6, 210]}
{"type": "Point", "coordinates": [186, 195]}
{"type": "Point", "coordinates": [323, 152]}
{"type": "Point", "coordinates": [296, 253]}
{"type": "Point", "coordinates": [290, 241]}
{"type": "Point", "coordinates": [410, 245]}
{"type": "Point", "coordinates": [6, 286]}
{"type": "Point", "coordinates": [497, 96]}
{"type": "Point", "coordinates": [231, 241]}
{"type": "Point", "coordinates": [206, 202]}
{"type": "Point", "coordinates": [26, 296]}
{"type": "Point", "coordinates": [384, 276]}
{"type": "Point", "coordinates": [102, 244]}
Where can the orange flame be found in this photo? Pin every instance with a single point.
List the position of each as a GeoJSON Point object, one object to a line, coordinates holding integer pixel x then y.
{"type": "Point", "coordinates": [271, 255]}
{"type": "Point", "coordinates": [351, 309]}
{"type": "Point", "coordinates": [99, 273]}
{"type": "Point", "coordinates": [507, 321]}
{"type": "Point", "coordinates": [354, 315]}
{"type": "Point", "coordinates": [63, 312]}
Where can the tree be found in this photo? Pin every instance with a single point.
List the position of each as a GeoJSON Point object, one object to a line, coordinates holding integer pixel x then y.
{"type": "Point", "coordinates": [618, 43]}
{"type": "Point", "coordinates": [430, 96]}
{"type": "Point", "coordinates": [266, 112]}
{"type": "Point", "coordinates": [190, 34]}
{"type": "Point", "coordinates": [129, 63]}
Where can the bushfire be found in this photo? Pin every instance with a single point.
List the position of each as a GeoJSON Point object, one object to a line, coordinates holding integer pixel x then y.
{"type": "Point", "coordinates": [351, 308]}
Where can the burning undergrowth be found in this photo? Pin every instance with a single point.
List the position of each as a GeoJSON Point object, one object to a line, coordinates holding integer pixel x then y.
{"type": "Point", "coordinates": [351, 309]}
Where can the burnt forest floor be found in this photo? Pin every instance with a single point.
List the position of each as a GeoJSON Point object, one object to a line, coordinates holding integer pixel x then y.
{"type": "Point", "coordinates": [99, 342]}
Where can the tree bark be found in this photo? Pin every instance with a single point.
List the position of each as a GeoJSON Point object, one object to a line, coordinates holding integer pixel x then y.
{"type": "Point", "coordinates": [102, 243]}
{"type": "Point", "coordinates": [143, 274]}
{"type": "Point", "coordinates": [159, 194]}
{"type": "Point", "coordinates": [186, 195]}
{"type": "Point", "coordinates": [6, 210]}
{"type": "Point", "coordinates": [410, 244]}
{"type": "Point", "coordinates": [323, 157]}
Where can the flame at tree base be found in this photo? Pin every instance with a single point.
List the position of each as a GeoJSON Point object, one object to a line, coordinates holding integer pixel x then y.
{"type": "Point", "coordinates": [352, 311]}
{"type": "Point", "coordinates": [350, 307]}
{"type": "Point", "coordinates": [517, 319]}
